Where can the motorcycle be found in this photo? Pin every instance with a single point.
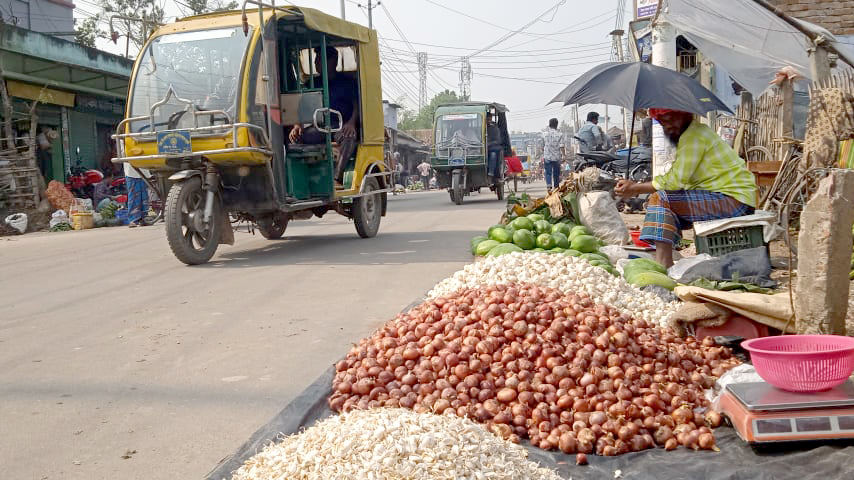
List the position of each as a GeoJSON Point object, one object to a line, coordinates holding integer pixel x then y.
{"type": "Point", "coordinates": [638, 168]}
{"type": "Point", "coordinates": [81, 181]}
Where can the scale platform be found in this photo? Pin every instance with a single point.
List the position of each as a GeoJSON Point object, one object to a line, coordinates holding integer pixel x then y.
{"type": "Point", "coordinates": [761, 413]}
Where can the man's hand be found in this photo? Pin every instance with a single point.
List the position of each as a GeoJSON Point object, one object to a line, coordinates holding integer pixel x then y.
{"type": "Point", "coordinates": [348, 130]}
{"type": "Point", "coordinates": [295, 134]}
{"type": "Point", "coordinates": [625, 188]}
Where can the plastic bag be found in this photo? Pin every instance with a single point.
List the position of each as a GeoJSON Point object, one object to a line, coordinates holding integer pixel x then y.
{"type": "Point", "coordinates": [744, 373]}
{"type": "Point", "coordinates": [615, 253]}
{"type": "Point", "coordinates": [58, 217]}
{"type": "Point", "coordinates": [58, 195]}
{"type": "Point", "coordinates": [679, 268]}
{"type": "Point", "coordinates": [18, 221]}
{"type": "Point", "coordinates": [598, 212]}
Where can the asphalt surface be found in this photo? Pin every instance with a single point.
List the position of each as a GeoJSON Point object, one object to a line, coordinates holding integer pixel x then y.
{"type": "Point", "coordinates": [119, 362]}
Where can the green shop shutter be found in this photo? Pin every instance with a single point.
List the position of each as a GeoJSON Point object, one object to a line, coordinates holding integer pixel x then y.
{"type": "Point", "coordinates": [82, 134]}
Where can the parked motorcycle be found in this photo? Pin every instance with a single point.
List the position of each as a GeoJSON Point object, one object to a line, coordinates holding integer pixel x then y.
{"type": "Point", "coordinates": [618, 164]}
{"type": "Point", "coordinates": [81, 181]}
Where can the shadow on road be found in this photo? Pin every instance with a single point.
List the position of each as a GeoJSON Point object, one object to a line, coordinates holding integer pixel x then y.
{"type": "Point", "coordinates": [393, 248]}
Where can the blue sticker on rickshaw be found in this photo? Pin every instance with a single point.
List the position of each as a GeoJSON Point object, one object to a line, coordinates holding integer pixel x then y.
{"type": "Point", "coordinates": [174, 142]}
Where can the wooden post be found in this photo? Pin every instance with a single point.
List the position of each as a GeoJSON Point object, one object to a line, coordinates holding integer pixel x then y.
{"type": "Point", "coordinates": [745, 111]}
{"type": "Point", "coordinates": [786, 125]}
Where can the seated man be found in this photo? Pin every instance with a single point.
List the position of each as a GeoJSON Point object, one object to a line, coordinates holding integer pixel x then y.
{"type": "Point", "coordinates": [707, 181]}
{"type": "Point", "coordinates": [343, 97]}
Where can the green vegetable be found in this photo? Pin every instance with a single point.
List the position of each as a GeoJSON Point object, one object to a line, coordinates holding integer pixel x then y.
{"type": "Point", "coordinates": [557, 250]}
{"type": "Point", "coordinates": [596, 256]}
{"type": "Point", "coordinates": [503, 248]}
{"type": "Point", "coordinates": [475, 241]}
{"type": "Point", "coordinates": [585, 243]}
{"type": "Point", "coordinates": [525, 239]}
{"type": "Point", "coordinates": [645, 264]}
{"type": "Point", "coordinates": [643, 279]}
{"type": "Point", "coordinates": [523, 223]}
{"type": "Point", "coordinates": [542, 226]}
{"type": "Point", "coordinates": [485, 246]}
{"type": "Point", "coordinates": [545, 241]}
{"type": "Point", "coordinates": [563, 228]}
{"type": "Point", "coordinates": [534, 217]}
{"type": "Point", "coordinates": [500, 235]}
{"type": "Point", "coordinates": [498, 225]}
{"type": "Point", "coordinates": [572, 253]}
{"type": "Point", "coordinates": [560, 240]}
{"type": "Point", "coordinates": [610, 269]}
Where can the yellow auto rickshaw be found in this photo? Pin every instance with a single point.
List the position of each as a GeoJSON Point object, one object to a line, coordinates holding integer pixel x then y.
{"type": "Point", "coordinates": [244, 113]}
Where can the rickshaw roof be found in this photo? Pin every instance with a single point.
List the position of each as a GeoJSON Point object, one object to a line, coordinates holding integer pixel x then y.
{"type": "Point", "coordinates": [312, 18]}
{"type": "Point", "coordinates": [474, 106]}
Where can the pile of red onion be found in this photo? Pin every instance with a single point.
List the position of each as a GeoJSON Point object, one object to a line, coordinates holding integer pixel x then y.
{"type": "Point", "coordinates": [532, 362]}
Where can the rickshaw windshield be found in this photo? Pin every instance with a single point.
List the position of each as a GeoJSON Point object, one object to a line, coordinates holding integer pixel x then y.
{"type": "Point", "coordinates": [462, 127]}
{"type": "Point", "coordinates": [201, 66]}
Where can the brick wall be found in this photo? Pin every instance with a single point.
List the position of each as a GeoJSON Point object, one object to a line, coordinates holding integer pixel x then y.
{"type": "Point", "coordinates": [834, 15]}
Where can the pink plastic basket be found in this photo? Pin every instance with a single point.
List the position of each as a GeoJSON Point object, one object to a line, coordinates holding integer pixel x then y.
{"type": "Point", "coordinates": [802, 363]}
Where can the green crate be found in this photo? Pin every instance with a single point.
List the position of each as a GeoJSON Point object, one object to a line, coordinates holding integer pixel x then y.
{"type": "Point", "coordinates": [730, 240]}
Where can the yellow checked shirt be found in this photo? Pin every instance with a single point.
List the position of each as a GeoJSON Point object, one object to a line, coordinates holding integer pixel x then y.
{"type": "Point", "coordinates": [705, 162]}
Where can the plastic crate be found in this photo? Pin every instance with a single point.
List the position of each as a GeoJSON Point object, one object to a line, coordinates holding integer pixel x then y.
{"type": "Point", "coordinates": [730, 240]}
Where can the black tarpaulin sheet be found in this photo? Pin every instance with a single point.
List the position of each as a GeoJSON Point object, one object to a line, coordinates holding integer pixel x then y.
{"type": "Point", "coordinates": [735, 461]}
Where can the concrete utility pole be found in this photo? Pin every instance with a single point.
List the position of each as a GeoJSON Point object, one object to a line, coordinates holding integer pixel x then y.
{"type": "Point", "coordinates": [343, 13]}
{"type": "Point", "coordinates": [422, 80]}
{"type": "Point", "coordinates": [663, 55]}
{"type": "Point", "coordinates": [371, 13]}
{"type": "Point", "coordinates": [819, 61]}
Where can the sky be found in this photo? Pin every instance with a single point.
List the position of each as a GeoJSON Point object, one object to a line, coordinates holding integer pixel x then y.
{"type": "Point", "coordinates": [535, 48]}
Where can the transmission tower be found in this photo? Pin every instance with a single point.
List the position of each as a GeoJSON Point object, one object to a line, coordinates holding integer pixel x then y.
{"type": "Point", "coordinates": [422, 80]}
{"type": "Point", "coordinates": [465, 78]}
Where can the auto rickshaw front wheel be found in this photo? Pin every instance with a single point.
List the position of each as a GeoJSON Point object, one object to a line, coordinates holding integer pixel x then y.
{"type": "Point", "coordinates": [457, 187]}
{"type": "Point", "coordinates": [190, 239]}
{"type": "Point", "coordinates": [367, 209]}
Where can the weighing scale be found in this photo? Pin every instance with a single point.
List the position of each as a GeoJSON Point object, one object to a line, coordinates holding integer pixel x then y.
{"type": "Point", "coordinates": [761, 413]}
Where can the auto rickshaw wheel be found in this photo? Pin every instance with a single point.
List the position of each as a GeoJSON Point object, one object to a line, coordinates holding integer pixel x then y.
{"type": "Point", "coordinates": [273, 226]}
{"type": "Point", "coordinates": [191, 241]}
{"type": "Point", "coordinates": [457, 187]}
{"type": "Point", "coordinates": [367, 210]}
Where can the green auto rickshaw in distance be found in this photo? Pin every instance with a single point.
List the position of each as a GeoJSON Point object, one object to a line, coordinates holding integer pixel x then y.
{"type": "Point", "coordinates": [470, 141]}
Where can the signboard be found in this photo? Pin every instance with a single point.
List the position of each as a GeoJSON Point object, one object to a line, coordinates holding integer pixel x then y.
{"type": "Point", "coordinates": [645, 8]}
{"type": "Point", "coordinates": [174, 142]}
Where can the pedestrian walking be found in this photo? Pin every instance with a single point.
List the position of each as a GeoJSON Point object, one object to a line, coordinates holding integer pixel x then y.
{"type": "Point", "coordinates": [554, 153]}
{"type": "Point", "coordinates": [425, 169]}
{"type": "Point", "coordinates": [137, 195]}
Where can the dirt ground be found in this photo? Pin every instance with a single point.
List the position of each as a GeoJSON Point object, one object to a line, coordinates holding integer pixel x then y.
{"type": "Point", "coordinates": [36, 221]}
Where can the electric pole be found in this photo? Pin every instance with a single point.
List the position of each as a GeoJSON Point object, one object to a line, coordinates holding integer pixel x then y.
{"type": "Point", "coordinates": [371, 7]}
{"type": "Point", "coordinates": [343, 14]}
{"type": "Point", "coordinates": [422, 80]}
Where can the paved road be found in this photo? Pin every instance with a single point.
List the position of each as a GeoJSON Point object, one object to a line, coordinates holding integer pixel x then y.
{"type": "Point", "coordinates": [118, 362]}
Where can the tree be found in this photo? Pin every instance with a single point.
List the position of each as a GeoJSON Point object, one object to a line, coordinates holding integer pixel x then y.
{"type": "Point", "coordinates": [87, 32]}
{"type": "Point", "coordinates": [199, 7]}
{"type": "Point", "coordinates": [142, 17]}
{"type": "Point", "coordinates": [424, 119]}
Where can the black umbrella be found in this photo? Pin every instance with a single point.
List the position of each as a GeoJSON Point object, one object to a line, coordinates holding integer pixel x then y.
{"type": "Point", "coordinates": [639, 85]}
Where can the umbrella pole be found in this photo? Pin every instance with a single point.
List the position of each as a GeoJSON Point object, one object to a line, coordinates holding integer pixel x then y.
{"type": "Point", "coordinates": [631, 133]}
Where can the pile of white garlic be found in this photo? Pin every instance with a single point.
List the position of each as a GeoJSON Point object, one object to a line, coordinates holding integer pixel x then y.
{"type": "Point", "coordinates": [387, 444]}
{"type": "Point", "coordinates": [565, 273]}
